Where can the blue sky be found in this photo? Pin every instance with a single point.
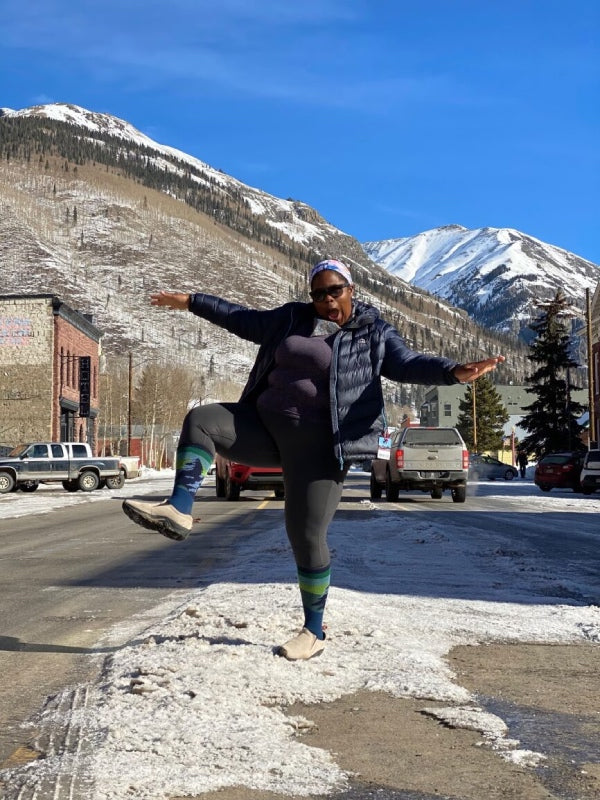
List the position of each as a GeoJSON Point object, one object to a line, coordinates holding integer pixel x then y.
{"type": "Point", "coordinates": [390, 118]}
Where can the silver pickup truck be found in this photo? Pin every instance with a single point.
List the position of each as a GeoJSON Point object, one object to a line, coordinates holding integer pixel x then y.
{"type": "Point", "coordinates": [69, 463]}
{"type": "Point", "coordinates": [422, 459]}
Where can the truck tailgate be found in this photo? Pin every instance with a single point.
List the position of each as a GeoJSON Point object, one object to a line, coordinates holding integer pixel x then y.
{"type": "Point", "coordinates": [432, 458]}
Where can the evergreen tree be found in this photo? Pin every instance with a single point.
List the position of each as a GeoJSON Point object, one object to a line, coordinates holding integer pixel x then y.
{"type": "Point", "coordinates": [552, 419]}
{"type": "Point", "coordinates": [490, 416]}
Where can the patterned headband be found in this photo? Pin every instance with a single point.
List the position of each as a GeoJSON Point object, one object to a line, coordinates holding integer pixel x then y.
{"type": "Point", "coordinates": [334, 266]}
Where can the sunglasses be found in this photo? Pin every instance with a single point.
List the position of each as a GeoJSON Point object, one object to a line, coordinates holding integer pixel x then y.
{"type": "Point", "coordinates": [318, 295]}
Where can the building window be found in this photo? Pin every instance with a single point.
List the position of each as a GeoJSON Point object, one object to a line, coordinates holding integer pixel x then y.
{"type": "Point", "coordinates": [67, 425]}
{"type": "Point", "coordinates": [447, 409]}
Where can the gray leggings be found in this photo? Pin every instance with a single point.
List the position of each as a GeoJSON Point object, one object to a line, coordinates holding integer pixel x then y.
{"type": "Point", "coordinates": [312, 476]}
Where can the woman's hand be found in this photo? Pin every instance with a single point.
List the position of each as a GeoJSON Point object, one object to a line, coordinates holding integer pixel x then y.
{"type": "Point", "coordinates": [475, 369]}
{"type": "Point", "coordinates": [179, 301]}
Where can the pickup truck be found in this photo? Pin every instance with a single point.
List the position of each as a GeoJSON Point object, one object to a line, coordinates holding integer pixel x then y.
{"type": "Point", "coordinates": [130, 466]}
{"type": "Point", "coordinates": [69, 463]}
{"type": "Point", "coordinates": [424, 459]}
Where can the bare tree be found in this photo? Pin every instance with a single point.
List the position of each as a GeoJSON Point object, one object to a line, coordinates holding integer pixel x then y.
{"type": "Point", "coordinates": [161, 399]}
{"type": "Point", "coordinates": [114, 405]}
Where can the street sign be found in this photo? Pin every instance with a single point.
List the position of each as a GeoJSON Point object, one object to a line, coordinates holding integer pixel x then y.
{"type": "Point", "coordinates": [85, 369]}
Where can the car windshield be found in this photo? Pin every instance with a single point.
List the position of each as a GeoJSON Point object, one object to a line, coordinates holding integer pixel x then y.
{"type": "Point", "coordinates": [593, 457]}
{"type": "Point", "coordinates": [431, 436]}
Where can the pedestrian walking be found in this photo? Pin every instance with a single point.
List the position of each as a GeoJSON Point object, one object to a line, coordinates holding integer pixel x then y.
{"type": "Point", "coordinates": [313, 404]}
{"type": "Point", "coordinates": [522, 462]}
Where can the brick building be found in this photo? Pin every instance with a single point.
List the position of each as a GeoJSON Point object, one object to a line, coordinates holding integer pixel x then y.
{"type": "Point", "coordinates": [49, 360]}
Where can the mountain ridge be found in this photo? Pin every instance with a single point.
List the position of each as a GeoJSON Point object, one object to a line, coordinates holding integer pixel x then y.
{"type": "Point", "coordinates": [103, 220]}
{"type": "Point", "coordinates": [498, 275]}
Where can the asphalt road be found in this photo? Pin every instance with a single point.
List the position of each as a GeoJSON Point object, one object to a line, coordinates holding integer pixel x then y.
{"type": "Point", "coordinates": [69, 576]}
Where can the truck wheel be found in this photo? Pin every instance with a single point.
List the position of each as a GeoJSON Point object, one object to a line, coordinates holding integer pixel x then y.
{"type": "Point", "coordinates": [219, 486]}
{"type": "Point", "coordinates": [70, 486]}
{"type": "Point", "coordinates": [232, 490]}
{"type": "Point", "coordinates": [29, 486]}
{"type": "Point", "coordinates": [459, 495]}
{"type": "Point", "coordinates": [392, 490]}
{"type": "Point", "coordinates": [7, 482]}
{"type": "Point", "coordinates": [117, 481]}
{"type": "Point", "coordinates": [88, 481]}
{"type": "Point", "coordinates": [375, 488]}
{"type": "Point", "coordinates": [280, 494]}
{"type": "Point", "coordinates": [436, 493]}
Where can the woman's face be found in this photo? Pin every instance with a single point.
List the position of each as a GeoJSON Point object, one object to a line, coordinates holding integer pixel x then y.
{"type": "Point", "coordinates": [327, 306]}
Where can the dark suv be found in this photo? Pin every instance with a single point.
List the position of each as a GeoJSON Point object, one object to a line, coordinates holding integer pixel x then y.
{"type": "Point", "coordinates": [559, 471]}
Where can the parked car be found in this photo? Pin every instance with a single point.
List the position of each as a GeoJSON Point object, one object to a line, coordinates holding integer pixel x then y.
{"type": "Point", "coordinates": [422, 459]}
{"type": "Point", "coordinates": [590, 472]}
{"type": "Point", "coordinates": [71, 463]}
{"type": "Point", "coordinates": [231, 478]}
{"type": "Point", "coordinates": [361, 466]}
{"type": "Point", "coordinates": [487, 468]}
{"type": "Point", "coordinates": [559, 471]}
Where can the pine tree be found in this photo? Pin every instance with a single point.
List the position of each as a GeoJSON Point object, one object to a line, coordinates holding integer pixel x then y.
{"type": "Point", "coordinates": [552, 419]}
{"type": "Point", "coordinates": [490, 416]}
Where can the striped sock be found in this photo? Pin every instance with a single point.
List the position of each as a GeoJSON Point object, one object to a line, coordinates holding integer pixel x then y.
{"type": "Point", "coordinates": [314, 585]}
{"type": "Point", "coordinates": [191, 465]}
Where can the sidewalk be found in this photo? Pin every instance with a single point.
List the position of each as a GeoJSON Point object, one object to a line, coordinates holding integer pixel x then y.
{"type": "Point", "coordinates": [398, 751]}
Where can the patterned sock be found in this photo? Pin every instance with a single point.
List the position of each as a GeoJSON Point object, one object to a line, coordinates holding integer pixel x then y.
{"type": "Point", "coordinates": [314, 585]}
{"type": "Point", "coordinates": [191, 465]}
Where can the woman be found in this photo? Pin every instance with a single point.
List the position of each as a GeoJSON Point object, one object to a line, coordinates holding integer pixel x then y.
{"type": "Point", "coordinates": [313, 403]}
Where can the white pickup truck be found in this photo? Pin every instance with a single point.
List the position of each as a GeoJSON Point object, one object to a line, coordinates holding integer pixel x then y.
{"type": "Point", "coordinates": [70, 463]}
{"type": "Point", "coordinates": [422, 459]}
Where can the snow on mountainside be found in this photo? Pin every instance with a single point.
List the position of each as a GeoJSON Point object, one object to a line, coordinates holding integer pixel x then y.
{"type": "Point", "coordinates": [97, 213]}
{"type": "Point", "coordinates": [287, 215]}
{"type": "Point", "coordinates": [498, 275]}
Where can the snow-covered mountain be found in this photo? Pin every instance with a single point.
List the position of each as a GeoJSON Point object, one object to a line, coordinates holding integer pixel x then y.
{"type": "Point", "coordinates": [94, 211]}
{"type": "Point", "coordinates": [296, 219]}
{"type": "Point", "coordinates": [498, 275]}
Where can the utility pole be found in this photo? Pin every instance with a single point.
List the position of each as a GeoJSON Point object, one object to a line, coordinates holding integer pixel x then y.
{"type": "Point", "coordinates": [129, 398]}
{"type": "Point", "coordinates": [473, 394]}
{"type": "Point", "coordinates": [590, 360]}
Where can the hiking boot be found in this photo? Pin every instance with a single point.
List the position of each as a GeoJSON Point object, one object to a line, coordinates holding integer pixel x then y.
{"type": "Point", "coordinates": [302, 647]}
{"type": "Point", "coordinates": [161, 517]}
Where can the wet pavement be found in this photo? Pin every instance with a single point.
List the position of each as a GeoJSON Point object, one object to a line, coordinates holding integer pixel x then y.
{"type": "Point", "coordinates": [569, 741]}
